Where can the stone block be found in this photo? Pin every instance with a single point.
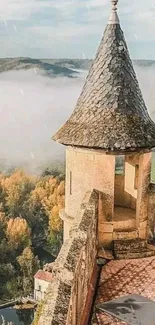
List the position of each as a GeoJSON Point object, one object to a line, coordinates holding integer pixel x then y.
{"type": "Point", "coordinates": [130, 245]}
{"type": "Point", "coordinates": [143, 233]}
{"type": "Point", "coordinates": [106, 227]}
{"type": "Point", "coordinates": [125, 234]}
{"type": "Point", "coordinates": [105, 239]}
{"type": "Point", "coordinates": [143, 225]}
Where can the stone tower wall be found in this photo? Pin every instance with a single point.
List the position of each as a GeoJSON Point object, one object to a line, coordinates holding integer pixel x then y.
{"type": "Point", "coordinates": [142, 210]}
{"type": "Point", "coordinates": [87, 170]}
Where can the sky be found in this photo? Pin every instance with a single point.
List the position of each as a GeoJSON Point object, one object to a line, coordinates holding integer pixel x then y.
{"type": "Point", "coordinates": [72, 28]}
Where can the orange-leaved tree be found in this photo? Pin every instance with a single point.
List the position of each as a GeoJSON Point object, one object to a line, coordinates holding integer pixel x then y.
{"type": "Point", "coordinates": [18, 232]}
{"type": "Point", "coordinates": [17, 188]}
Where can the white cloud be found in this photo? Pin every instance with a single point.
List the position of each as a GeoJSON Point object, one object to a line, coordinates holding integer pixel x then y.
{"type": "Point", "coordinates": [71, 21]}
{"type": "Point", "coordinates": [63, 33]}
{"type": "Point", "coordinates": [21, 9]}
{"type": "Point", "coordinates": [98, 3]}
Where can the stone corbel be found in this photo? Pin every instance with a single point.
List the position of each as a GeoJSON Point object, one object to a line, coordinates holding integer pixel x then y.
{"type": "Point", "coordinates": [64, 216]}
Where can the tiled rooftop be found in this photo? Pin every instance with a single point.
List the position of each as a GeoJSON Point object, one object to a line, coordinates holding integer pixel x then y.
{"type": "Point", "coordinates": [121, 278]}
{"type": "Point", "coordinates": [43, 275]}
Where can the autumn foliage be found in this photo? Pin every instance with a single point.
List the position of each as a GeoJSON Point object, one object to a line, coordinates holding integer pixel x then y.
{"type": "Point", "coordinates": [18, 232]}
{"type": "Point", "coordinates": [29, 221]}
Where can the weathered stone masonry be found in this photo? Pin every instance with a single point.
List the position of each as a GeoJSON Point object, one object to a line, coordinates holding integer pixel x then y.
{"type": "Point", "coordinates": [66, 296]}
{"type": "Point", "coordinates": [67, 293]}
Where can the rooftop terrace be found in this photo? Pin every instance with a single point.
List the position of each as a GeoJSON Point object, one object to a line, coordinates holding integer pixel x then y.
{"type": "Point", "coordinates": [124, 277]}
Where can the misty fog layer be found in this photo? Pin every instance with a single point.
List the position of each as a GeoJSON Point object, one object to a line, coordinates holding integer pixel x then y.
{"type": "Point", "coordinates": [34, 106]}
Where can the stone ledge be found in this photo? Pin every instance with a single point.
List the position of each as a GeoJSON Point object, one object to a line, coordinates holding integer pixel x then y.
{"type": "Point", "coordinates": [64, 216]}
{"type": "Point", "coordinates": [56, 304]}
{"type": "Point", "coordinates": [105, 254]}
{"type": "Point", "coordinates": [134, 255]}
{"type": "Point", "coordinates": [129, 245]}
{"type": "Point", "coordinates": [85, 215]}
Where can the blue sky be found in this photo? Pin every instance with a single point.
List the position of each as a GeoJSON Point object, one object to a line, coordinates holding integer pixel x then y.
{"type": "Point", "coordinates": [72, 28]}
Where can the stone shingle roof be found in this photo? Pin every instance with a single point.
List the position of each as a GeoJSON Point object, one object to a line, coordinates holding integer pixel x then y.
{"type": "Point", "coordinates": [110, 113]}
{"type": "Point", "coordinates": [124, 277]}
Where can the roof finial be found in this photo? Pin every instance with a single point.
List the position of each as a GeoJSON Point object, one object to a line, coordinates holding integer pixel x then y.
{"type": "Point", "coordinates": [114, 17]}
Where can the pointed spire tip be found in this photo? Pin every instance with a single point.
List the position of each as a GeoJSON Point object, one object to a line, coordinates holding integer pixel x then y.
{"type": "Point", "coordinates": [114, 2]}
{"type": "Point", "coordinates": [114, 17]}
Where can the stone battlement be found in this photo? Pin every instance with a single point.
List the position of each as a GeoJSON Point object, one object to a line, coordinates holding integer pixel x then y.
{"type": "Point", "coordinates": [67, 293]}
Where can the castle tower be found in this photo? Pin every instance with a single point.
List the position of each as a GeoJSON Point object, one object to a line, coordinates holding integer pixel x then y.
{"type": "Point", "coordinates": [109, 128]}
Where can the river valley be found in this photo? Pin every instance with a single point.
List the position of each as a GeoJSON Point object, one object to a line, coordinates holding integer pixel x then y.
{"type": "Point", "coordinates": [16, 317]}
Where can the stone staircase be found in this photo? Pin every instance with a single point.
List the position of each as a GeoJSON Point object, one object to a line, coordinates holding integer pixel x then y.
{"type": "Point", "coordinates": [125, 233]}
{"type": "Point", "coordinates": [132, 248]}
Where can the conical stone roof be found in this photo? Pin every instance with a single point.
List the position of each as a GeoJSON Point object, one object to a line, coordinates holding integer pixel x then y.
{"type": "Point", "coordinates": [110, 113]}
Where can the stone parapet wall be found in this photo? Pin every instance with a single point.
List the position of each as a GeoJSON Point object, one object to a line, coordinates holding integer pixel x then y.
{"type": "Point", "coordinates": [66, 296]}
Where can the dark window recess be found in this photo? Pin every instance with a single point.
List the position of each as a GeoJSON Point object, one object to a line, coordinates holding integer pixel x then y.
{"type": "Point", "coordinates": [120, 165]}
{"type": "Point", "coordinates": [136, 176]}
{"type": "Point", "coordinates": [39, 288]}
{"type": "Point", "coordinates": [70, 183]}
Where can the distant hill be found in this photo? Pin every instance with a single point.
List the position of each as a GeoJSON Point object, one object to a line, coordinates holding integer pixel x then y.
{"type": "Point", "coordinates": [84, 64]}
{"type": "Point", "coordinates": [49, 68]}
{"type": "Point", "coordinates": [79, 64]}
{"type": "Point", "coordinates": [145, 63]}
{"type": "Point", "coordinates": [56, 67]}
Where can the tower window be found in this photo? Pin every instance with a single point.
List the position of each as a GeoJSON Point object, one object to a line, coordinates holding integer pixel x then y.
{"type": "Point", "coordinates": [70, 183]}
{"type": "Point", "coordinates": [136, 176]}
{"type": "Point", "coordinates": [119, 165]}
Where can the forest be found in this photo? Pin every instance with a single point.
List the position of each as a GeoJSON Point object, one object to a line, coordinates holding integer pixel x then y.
{"type": "Point", "coordinates": [30, 227]}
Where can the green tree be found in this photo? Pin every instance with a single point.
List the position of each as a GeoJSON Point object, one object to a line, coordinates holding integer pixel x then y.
{"type": "Point", "coordinates": [55, 242]}
{"type": "Point", "coordinates": [7, 272]}
{"type": "Point", "coordinates": [29, 264]}
{"type": "Point", "coordinates": [37, 219]}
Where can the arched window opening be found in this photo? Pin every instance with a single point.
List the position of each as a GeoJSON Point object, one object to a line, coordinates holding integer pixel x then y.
{"type": "Point", "coordinates": [125, 191]}
{"type": "Point", "coordinates": [119, 165]}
